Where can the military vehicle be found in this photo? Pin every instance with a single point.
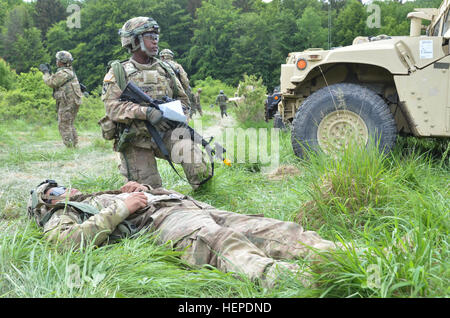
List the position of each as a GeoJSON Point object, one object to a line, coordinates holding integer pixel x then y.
{"type": "Point", "coordinates": [271, 108]}
{"type": "Point", "coordinates": [378, 87]}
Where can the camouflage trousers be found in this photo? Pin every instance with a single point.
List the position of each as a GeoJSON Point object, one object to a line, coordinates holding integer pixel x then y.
{"type": "Point", "coordinates": [67, 112]}
{"type": "Point", "coordinates": [223, 110]}
{"type": "Point", "coordinates": [139, 163]}
{"type": "Point", "coordinates": [195, 108]}
{"type": "Point", "coordinates": [232, 242]}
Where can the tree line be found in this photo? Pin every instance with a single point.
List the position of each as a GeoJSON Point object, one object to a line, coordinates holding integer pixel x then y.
{"type": "Point", "coordinates": [222, 39]}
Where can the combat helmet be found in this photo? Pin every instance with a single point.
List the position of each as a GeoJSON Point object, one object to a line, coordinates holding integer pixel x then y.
{"type": "Point", "coordinates": [166, 53]}
{"type": "Point", "coordinates": [134, 28]}
{"type": "Point", "coordinates": [64, 57]}
{"type": "Point", "coordinates": [38, 206]}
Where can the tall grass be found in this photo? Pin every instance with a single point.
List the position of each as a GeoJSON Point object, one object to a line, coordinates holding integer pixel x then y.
{"type": "Point", "coordinates": [390, 213]}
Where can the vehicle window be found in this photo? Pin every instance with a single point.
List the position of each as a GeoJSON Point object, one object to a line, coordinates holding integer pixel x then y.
{"type": "Point", "coordinates": [436, 28]}
{"type": "Point", "coordinates": [446, 23]}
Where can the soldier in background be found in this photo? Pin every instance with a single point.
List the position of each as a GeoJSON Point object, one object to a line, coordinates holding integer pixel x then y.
{"type": "Point", "coordinates": [67, 93]}
{"type": "Point", "coordinates": [167, 56]}
{"type": "Point", "coordinates": [222, 100]}
{"type": "Point", "coordinates": [252, 245]}
{"type": "Point", "coordinates": [196, 106]}
{"type": "Point", "coordinates": [126, 121]}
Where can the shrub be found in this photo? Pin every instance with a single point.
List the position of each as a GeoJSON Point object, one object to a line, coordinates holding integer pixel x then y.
{"type": "Point", "coordinates": [91, 110]}
{"type": "Point", "coordinates": [255, 93]}
{"type": "Point", "coordinates": [31, 100]}
{"type": "Point", "coordinates": [7, 76]}
{"type": "Point", "coordinates": [210, 89]}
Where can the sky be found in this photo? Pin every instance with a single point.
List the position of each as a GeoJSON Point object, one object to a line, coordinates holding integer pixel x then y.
{"type": "Point", "coordinates": [364, 1]}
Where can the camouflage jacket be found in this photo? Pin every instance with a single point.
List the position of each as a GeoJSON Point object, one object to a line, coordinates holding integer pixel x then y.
{"type": "Point", "coordinates": [197, 99]}
{"type": "Point", "coordinates": [221, 99]}
{"type": "Point", "coordinates": [69, 226]}
{"type": "Point", "coordinates": [155, 80]}
{"type": "Point", "coordinates": [181, 73]}
{"type": "Point", "coordinates": [65, 85]}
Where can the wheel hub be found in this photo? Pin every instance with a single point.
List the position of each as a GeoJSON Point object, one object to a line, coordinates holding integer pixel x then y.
{"type": "Point", "coordinates": [340, 127]}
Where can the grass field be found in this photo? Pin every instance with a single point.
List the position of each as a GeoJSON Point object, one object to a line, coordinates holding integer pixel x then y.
{"type": "Point", "coordinates": [395, 208]}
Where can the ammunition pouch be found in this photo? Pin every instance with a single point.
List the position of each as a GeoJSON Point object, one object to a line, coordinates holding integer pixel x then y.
{"type": "Point", "coordinates": [109, 128]}
{"type": "Point", "coordinates": [126, 136]}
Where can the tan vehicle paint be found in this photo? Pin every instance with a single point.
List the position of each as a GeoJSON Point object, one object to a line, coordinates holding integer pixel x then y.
{"type": "Point", "coordinates": [410, 72]}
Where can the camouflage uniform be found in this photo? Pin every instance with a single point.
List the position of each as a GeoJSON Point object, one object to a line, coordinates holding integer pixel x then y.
{"type": "Point", "coordinates": [68, 96]}
{"type": "Point", "coordinates": [222, 100]}
{"type": "Point", "coordinates": [167, 56]}
{"type": "Point", "coordinates": [232, 242]}
{"type": "Point", "coordinates": [138, 159]}
{"type": "Point", "coordinates": [196, 106]}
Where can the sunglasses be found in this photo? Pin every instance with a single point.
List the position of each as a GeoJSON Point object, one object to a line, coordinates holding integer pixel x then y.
{"type": "Point", "coordinates": [57, 191]}
{"type": "Point", "coordinates": [153, 36]}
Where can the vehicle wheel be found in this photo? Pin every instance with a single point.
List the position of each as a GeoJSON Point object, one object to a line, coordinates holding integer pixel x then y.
{"type": "Point", "coordinates": [278, 121]}
{"type": "Point", "coordinates": [331, 117]}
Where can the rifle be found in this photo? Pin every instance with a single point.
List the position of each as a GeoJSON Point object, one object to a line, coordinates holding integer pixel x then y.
{"type": "Point", "coordinates": [84, 88]}
{"type": "Point", "coordinates": [134, 94]}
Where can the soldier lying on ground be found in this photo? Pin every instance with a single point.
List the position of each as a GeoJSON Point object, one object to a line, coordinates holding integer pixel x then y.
{"type": "Point", "coordinates": [246, 244]}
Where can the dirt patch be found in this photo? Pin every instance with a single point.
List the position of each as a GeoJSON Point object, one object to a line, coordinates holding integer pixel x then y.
{"type": "Point", "coordinates": [217, 130]}
{"type": "Point", "coordinates": [283, 172]}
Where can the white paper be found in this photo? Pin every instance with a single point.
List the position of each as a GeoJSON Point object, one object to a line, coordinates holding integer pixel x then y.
{"type": "Point", "coordinates": [426, 49]}
{"type": "Point", "coordinates": [173, 111]}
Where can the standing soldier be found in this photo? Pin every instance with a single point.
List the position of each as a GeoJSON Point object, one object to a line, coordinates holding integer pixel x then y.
{"type": "Point", "coordinates": [167, 56]}
{"type": "Point", "coordinates": [127, 122]}
{"type": "Point", "coordinates": [196, 105]}
{"type": "Point", "coordinates": [222, 100]}
{"type": "Point", "coordinates": [67, 93]}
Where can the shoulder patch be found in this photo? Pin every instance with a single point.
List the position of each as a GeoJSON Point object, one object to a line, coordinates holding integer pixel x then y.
{"type": "Point", "coordinates": [109, 78]}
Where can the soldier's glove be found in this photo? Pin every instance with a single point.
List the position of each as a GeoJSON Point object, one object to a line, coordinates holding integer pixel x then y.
{"type": "Point", "coordinates": [155, 117]}
{"type": "Point", "coordinates": [44, 68]}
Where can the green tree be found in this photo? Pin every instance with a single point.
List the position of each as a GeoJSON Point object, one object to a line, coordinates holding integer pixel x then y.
{"type": "Point", "coordinates": [350, 23]}
{"type": "Point", "coordinates": [17, 21]}
{"type": "Point", "coordinates": [254, 91]}
{"type": "Point", "coordinates": [215, 30]}
{"type": "Point", "coordinates": [256, 51]}
{"type": "Point", "coordinates": [59, 37]}
{"type": "Point", "coordinates": [47, 13]}
{"type": "Point", "coordinates": [7, 76]}
{"type": "Point", "coordinates": [28, 51]}
{"type": "Point", "coordinates": [192, 6]}
{"type": "Point", "coordinates": [245, 5]}
{"type": "Point", "coordinates": [176, 26]}
{"type": "Point", "coordinates": [97, 42]}
{"type": "Point", "coordinates": [310, 31]}
{"type": "Point", "coordinates": [3, 12]}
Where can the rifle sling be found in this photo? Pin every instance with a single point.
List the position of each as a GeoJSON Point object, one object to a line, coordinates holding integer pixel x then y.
{"type": "Point", "coordinates": [159, 142]}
